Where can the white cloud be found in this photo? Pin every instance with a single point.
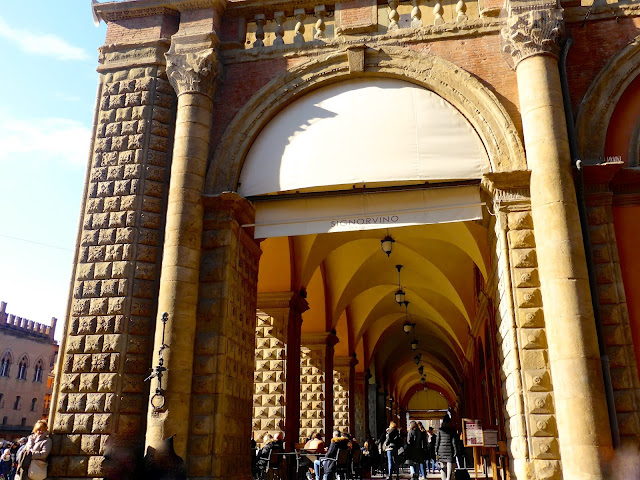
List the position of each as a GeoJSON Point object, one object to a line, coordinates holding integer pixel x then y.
{"type": "Point", "coordinates": [46, 44]}
{"type": "Point", "coordinates": [44, 138]}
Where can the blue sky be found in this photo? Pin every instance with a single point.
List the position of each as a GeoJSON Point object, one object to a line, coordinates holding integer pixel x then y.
{"type": "Point", "coordinates": [48, 57]}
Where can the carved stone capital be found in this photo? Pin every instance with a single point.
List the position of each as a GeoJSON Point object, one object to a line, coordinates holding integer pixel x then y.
{"type": "Point", "coordinates": [532, 30]}
{"type": "Point", "coordinates": [192, 71]}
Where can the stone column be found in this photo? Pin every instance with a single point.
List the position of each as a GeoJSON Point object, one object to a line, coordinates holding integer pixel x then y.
{"type": "Point", "coordinates": [382, 419]}
{"type": "Point", "coordinates": [191, 68]}
{"type": "Point", "coordinates": [285, 310]}
{"type": "Point", "coordinates": [372, 419]}
{"type": "Point", "coordinates": [360, 407]}
{"type": "Point", "coordinates": [343, 388]}
{"type": "Point", "coordinates": [316, 383]}
{"type": "Point", "coordinates": [571, 334]}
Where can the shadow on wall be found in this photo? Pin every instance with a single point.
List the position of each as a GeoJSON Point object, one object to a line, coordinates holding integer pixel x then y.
{"type": "Point", "coordinates": [625, 464]}
{"type": "Point", "coordinates": [288, 124]}
{"type": "Point", "coordinates": [124, 461]}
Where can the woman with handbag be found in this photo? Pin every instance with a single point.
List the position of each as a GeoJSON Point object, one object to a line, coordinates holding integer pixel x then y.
{"type": "Point", "coordinates": [32, 464]}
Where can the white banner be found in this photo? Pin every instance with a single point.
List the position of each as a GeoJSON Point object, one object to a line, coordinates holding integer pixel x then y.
{"type": "Point", "coordinates": [366, 211]}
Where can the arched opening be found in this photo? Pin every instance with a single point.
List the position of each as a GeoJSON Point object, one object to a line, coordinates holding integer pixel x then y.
{"type": "Point", "coordinates": [22, 367]}
{"type": "Point", "coordinates": [38, 369]}
{"type": "Point", "coordinates": [323, 211]}
{"type": "Point", "coordinates": [5, 365]}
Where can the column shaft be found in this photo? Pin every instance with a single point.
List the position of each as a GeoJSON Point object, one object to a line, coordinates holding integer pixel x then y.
{"type": "Point", "coordinates": [573, 348]}
{"type": "Point", "coordinates": [178, 294]}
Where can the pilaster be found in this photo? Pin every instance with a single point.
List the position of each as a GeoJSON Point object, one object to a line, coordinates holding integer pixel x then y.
{"type": "Point", "coordinates": [523, 352]}
{"type": "Point", "coordinates": [223, 362]}
{"type": "Point", "coordinates": [343, 393]}
{"type": "Point", "coordinates": [360, 403]}
{"type": "Point", "coordinates": [316, 383]}
{"type": "Point", "coordinates": [277, 375]}
{"type": "Point", "coordinates": [100, 391]}
{"type": "Point", "coordinates": [614, 314]}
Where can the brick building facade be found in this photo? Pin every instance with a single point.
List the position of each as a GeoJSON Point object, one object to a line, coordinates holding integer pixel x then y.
{"type": "Point", "coordinates": [28, 358]}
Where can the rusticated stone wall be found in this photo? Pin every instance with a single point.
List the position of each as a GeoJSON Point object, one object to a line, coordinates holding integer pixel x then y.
{"type": "Point", "coordinates": [312, 390]}
{"type": "Point", "coordinates": [222, 389]}
{"type": "Point", "coordinates": [269, 377]}
{"type": "Point", "coordinates": [106, 355]}
{"type": "Point", "coordinates": [341, 398]}
{"type": "Point", "coordinates": [614, 317]}
{"type": "Point", "coordinates": [526, 380]}
{"type": "Point", "coordinates": [360, 404]}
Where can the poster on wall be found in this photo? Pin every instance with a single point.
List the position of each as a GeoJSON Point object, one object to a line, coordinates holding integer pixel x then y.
{"type": "Point", "coordinates": [472, 435]}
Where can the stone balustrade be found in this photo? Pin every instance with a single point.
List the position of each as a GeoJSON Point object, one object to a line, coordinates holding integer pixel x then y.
{"type": "Point", "coordinates": [322, 23]}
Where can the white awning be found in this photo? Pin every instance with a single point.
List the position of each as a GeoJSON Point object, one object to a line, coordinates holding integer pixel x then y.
{"type": "Point", "coordinates": [366, 211]}
{"type": "Point", "coordinates": [373, 131]}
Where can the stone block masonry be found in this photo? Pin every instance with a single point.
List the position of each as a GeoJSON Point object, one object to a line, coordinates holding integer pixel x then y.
{"type": "Point", "coordinates": [106, 355]}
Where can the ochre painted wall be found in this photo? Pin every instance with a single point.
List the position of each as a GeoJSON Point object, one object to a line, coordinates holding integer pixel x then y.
{"type": "Point", "coordinates": [623, 122]}
{"type": "Point", "coordinates": [627, 225]}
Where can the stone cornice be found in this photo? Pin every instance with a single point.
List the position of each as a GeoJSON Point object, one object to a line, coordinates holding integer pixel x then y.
{"type": "Point", "coordinates": [400, 37]}
{"type": "Point", "coordinates": [115, 11]}
{"type": "Point", "coordinates": [532, 30]}
{"type": "Point", "coordinates": [282, 300]}
{"type": "Point", "coordinates": [321, 338]}
{"type": "Point", "coordinates": [347, 362]}
{"type": "Point", "coordinates": [131, 55]}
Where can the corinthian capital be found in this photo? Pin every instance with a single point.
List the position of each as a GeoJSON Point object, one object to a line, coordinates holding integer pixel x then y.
{"type": "Point", "coordinates": [192, 71]}
{"type": "Point", "coordinates": [532, 29]}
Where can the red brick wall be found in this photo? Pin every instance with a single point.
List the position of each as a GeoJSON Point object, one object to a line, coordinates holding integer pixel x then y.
{"type": "Point", "coordinates": [481, 57]}
{"type": "Point", "coordinates": [593, 45]}
{"type": "Point", "coordinates": [144, 29]}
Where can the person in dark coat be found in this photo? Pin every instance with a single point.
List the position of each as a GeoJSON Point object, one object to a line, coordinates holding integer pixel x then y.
{"type": "Point", "coordinates": [391, 444]}
{"type": "Point", "coordinates": [431, 446]}
{"type": "Point", "coordinates": [413, 453]}
{"type": "Point", "coordinates": [424, 449]}
{"type": "Point", "coordinates": [338, 442]}
{"type": "Point", "coordinates": [446, 448]}
{"type": "Point", "coordinates": [265, 452]}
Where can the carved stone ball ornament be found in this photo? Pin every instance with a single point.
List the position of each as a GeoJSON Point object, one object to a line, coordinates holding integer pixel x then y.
{"type": "Point", "coordinates": [532, 29]}
{"type": "Point", "coordinates": [192, 71]}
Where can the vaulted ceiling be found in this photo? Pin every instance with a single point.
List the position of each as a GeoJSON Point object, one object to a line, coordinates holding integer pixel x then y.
{"type": "Point", "coordinates": [350, 286]}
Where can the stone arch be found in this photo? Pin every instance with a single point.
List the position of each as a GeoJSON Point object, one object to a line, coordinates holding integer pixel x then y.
{"type": "Point", "coordinates": [472, 99]}
{"type": "Point", "coordinates": [601, 98]}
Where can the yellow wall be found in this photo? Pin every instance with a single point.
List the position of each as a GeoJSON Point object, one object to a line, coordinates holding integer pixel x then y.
{"type": "Point", "coordinates": [274, 273]}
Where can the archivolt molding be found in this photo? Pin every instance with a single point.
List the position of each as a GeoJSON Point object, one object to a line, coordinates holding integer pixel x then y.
{"type": "Point", "coordinates": [601, 98]}
{"type": "Point", "coordinates": [475, 101]}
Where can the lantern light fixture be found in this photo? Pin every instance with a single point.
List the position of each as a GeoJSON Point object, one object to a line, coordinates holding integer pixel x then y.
{"type": "Point", "coordinates": [387, 244]}
{"type": "Point", "coordinates": [423, 381]}
{"type": "Point", "coordinates": [400, 295]}
{"type": "Point", "coordinates": [414, 345]}
{"type": "Point", "coordinates": [417, 358]}
{"type": "Point", "coordinates": [407, 326]}
{"type": "Point", "coordinates": [421, 369]}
